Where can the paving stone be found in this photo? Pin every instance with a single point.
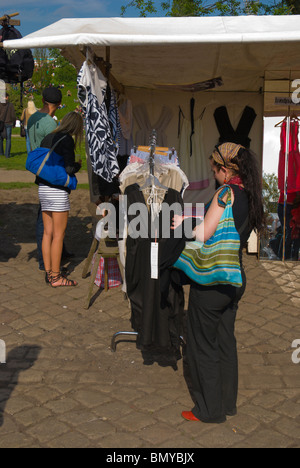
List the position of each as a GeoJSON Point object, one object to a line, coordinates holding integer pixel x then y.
{"type": "Point", "coordinates": [61, 406]}
{"type": "Point", "coordinates": [16, 405]}
{"type": "Point", "coordinates": [33, 415]}
{"type": "Point", "coordinates": [290, 428]}
{"type": "Point", "coordinates": [18, 440]}
{"type": "Point", "coordinates": [224, 436]}
{"type": "Point", "coordinates": [90, 399]}
{"type": "Point", "coordinates": [70, 440]}
{"type": "Point", "coordinates": [135, 421]}
{"type": "Point", "coordinates": [290, 409]}
{"type": "Point", "coordinates": [96, 429]}
{"type": "Point", "coordinates": [266, 438]}
{"type": "Point", "coordinates": [122, 441]}
{"type": "Point", "coordinates": [47, 430]}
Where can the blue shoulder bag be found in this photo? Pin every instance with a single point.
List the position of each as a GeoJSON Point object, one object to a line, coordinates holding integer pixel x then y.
{"type": "Point", "coordinates": [50, 166]}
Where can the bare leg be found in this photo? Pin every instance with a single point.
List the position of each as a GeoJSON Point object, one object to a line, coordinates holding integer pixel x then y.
{"type": "Point", "coordinates": [60, 221]}
{"type": "Point", "coordinates": [47, 239]}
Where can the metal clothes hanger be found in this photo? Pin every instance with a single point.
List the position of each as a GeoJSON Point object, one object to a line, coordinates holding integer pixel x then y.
{"type": "Point", "coordinates": [152, 180]}
{"type": "Point", "coordinates": [280, 123]}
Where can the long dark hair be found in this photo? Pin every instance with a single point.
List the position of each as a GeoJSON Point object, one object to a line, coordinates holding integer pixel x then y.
{"type": "Point", "coordinates": [251, 176]}
{"type": "Point", "coordinates": [252, 180]}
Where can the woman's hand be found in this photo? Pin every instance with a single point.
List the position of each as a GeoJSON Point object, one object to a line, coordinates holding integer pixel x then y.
{"type": "Point", "coordinates": [177, 221]}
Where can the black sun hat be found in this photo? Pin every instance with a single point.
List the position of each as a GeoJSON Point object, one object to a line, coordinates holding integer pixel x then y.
{"type": "Point", "coordinates": [52, 95]}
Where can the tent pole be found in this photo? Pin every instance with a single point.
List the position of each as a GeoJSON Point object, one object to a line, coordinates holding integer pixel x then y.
{"type": "Point", "coordinates": [108, 64]}
{"type": "Point", "coordinates": [287, 152]}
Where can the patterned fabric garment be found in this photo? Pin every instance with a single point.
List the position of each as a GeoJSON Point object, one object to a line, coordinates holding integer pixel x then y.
{"type": "Point", "coordinates": [114, 119]}
{"type": "Point", "coordinates": [103, 152]}
{"type": "Point", "coordinates": [114, 275]}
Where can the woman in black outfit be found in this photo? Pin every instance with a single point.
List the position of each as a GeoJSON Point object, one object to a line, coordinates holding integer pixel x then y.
{"type": "Point", "coordinates": [55, 201]}
{"type": "Point", "coordinates": [211, 344]}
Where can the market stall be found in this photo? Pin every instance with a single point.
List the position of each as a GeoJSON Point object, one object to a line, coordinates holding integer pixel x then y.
{"type": "Point", "coordinates": [197, 82]}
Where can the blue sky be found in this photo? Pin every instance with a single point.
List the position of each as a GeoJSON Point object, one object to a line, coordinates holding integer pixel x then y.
{"type": "Point", "coordinates": [37, 14]}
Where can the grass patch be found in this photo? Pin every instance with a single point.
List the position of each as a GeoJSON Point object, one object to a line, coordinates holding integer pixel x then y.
{"type": "Point", "coordinates": [16, 185]}
{"type": "Point", "coordinates": [19, 154]}
{"type": "Point", "coordinates": [26, 185]}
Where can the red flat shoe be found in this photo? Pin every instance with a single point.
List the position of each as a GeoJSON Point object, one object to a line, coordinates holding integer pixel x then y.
{"type": "Point", "coordinates": [189, 416]}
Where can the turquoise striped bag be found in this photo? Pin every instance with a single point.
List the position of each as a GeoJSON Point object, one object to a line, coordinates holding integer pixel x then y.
{"type": "Point", "coordinates": [217, 260]}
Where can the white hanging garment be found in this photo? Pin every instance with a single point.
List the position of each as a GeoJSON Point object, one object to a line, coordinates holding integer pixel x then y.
{"type": "Point", "coordinates": [194, 164]}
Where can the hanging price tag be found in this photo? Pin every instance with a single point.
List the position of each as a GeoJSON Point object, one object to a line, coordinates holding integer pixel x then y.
{"type": "Point", "coordinates": [154, 260]}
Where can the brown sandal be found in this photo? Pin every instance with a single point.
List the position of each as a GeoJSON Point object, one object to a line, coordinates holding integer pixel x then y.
{"type": "Point", "coordinates": [65, 282]}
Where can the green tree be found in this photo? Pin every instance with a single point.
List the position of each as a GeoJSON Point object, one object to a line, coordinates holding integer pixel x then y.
{"type": "Point", "coordinates": [271, 192]}
{"type": "Point", "coordinates": [14, 98]}
{"type": "Point", "coordinates": [42, 75]}
{"type": "Point", "coordinates": [294, 5]}
{"type": "Point", "coordinates": [52, 68]}
{"type": "Point", "coordinates": [206, 7]}
{"type": "Point", "coordinates": [63, 71]}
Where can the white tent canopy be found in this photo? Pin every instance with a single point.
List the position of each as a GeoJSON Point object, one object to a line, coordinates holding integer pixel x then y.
{"type": "Point", "coordinates": [150, 51]}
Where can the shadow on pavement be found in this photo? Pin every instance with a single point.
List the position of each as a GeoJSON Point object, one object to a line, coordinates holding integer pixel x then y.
{"type": "Point", "coordinates": [19, 359]}
{"type": "Point", "coordinates": [18, 226]}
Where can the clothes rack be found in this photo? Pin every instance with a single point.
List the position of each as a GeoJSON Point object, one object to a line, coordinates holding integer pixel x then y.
{"type": "Point", "coordinates": [151, 182]}
{"type": "Point", "coordinates": [291, 117]}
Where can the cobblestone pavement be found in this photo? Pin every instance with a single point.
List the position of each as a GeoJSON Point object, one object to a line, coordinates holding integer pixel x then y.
{"type": "Point", "coordinates": [63, 387]}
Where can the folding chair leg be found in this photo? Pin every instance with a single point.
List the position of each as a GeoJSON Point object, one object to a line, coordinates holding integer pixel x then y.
{"type": "Point", "coordinates": [89, 258]}
{"type": "Point", "coordinates": [120, 267]}
{"type": "Point", "coordinates": [93, 277]}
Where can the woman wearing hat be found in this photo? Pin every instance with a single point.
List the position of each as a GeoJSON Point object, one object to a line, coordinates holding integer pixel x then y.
{"type": "Point", "coordinates": [211, 343]}
{"type": "Point", "coordinates": [55, 203]}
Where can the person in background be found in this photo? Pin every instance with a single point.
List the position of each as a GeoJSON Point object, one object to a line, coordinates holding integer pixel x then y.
{"type": "Point", "coordinates": [55, 200]}
{"type": "Point", "coordinates": [8, 116]}
{"type": "Point", "coordinates": [26, 114]}
{"type": "Point", "coordinates": [39, 125]}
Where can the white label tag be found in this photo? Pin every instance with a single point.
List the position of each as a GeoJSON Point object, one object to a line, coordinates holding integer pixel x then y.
{"type": "Point", "coordinates": [154, 260]}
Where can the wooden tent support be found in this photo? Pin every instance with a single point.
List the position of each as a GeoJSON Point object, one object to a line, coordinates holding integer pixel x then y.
{"type": "Point", "coordinates": [7, 19]}
{"type": "Point", "coordinates": [9, 16]}
{"type": "Point", "coordinates": [105, 66]}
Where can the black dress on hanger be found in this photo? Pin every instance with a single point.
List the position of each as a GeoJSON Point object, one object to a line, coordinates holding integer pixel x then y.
{"type": "Point", "coordinates": [241, 134]}
{"type": "Point", "coordinates": [157, 305]}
